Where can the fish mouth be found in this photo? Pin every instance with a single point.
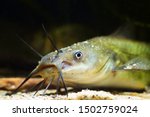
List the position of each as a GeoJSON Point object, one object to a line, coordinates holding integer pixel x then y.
{"type": "Point", "coordinates": [41, 69]}
{"type": "Point", "coordinates": [55, 68]}
{"type": "Point", "coordinates": [52, 71]}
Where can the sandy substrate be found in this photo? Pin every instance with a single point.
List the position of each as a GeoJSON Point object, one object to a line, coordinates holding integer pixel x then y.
{"type": "Point", "coordinates": [8, 84]}
{"type": "Point", "coordinates": [82, 95]}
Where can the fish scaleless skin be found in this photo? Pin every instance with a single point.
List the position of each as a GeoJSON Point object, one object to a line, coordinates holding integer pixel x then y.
{"type": "Point", "coordinates": [109, 62]}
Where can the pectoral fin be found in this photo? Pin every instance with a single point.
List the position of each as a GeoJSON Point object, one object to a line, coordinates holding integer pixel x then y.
{"type": "Point", "coordinates": [138, 63]}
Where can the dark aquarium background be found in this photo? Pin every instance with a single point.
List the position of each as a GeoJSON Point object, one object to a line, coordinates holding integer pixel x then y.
{"type": "Point", "coordinates": [67, 21]}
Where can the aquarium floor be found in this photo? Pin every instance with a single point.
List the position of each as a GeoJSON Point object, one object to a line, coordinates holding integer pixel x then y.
{"type": "Point", "coordinates": [7, 84]}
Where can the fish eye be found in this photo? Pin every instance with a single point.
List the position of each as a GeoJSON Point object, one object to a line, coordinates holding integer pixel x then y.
{"type": "Point", "coordinates": [78, 55]}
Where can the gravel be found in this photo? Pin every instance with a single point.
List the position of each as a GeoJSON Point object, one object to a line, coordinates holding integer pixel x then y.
{"type": "Point", "coordinates": [81, 95]}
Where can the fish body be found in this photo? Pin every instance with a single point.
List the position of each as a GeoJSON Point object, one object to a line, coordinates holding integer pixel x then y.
{"type": "Point", "coordinates": [100, 62]}
{"type": "Point", "coordinates": [109, 62]}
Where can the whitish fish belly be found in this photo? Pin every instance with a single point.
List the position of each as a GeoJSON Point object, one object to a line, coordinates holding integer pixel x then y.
{"type": "Point", "coordinates": [107, 81]}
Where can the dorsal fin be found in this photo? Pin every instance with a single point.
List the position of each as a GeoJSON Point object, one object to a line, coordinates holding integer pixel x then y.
{"type": "Point", "coordinates": [127, 30]}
